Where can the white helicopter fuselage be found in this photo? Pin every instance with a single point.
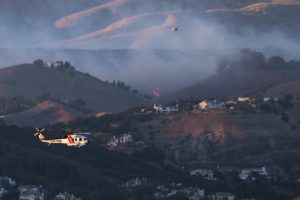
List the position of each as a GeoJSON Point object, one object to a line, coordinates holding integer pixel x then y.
{"type": "Point", "coordinates": [69, 140]}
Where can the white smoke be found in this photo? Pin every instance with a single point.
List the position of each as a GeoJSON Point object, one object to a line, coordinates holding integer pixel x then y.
{"type": "Point", "coordinates": [164, 58]}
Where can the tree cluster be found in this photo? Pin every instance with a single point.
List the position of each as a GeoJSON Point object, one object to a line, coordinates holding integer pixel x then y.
{"type": "Point", "coordinates": [249, 59]}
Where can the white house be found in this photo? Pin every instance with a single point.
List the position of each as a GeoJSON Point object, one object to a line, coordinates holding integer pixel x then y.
{"type": "Point", "coordinates": [31, 195]}
{"type": "Point", "coordinates": [122, 140]}
{"type": "Point", "coordinates": [268, 99]}
{"type": "Point", "coordinates": [66, 196]}
{"type": "Point", "coordinates": [245, 173]}
{"type": "Point", "coordinates": [243, 99]}
{"type": "Point", "coordinates": [165, 109]}
{"type": "Point", "coordinates": [192, 193]}
{"type": "Point", "coordinates": [205, 173]}
{"type": "Point", "coordinates": [222, 196]}
{"type": "Point", "coordinates": [2, 192]}
{"type": "Point", "coordinates": [214, 104]}
{"type": "Point", "coordinates": [197, 194]}
{"type": "Point", "coordinates": [30, 192]}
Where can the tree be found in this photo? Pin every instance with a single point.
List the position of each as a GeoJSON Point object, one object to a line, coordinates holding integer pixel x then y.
{"type": "Point", "coordinates": [39, 62]}
{"type": "Point", "coordinates": [285, 117]}
{"type": "Point", "coordinates": [135, 92]}
{"type": "Point", "coordinates": [287, 101]}
{"type": "Point", "coordinates": [152, 154]}
{"type": "Point", "coordinates": [251, 58]}
{"type": "Point", "coordinates": [277, 62]}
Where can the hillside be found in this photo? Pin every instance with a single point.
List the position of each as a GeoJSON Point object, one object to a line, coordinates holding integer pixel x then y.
{"type": "Point", "coordinates": [43, 114]}
{"type": "Point", "coordinates": [185, 141]}
{"type": "Point", "coordinates": [174, 144]}
{"type": "Point", "coordinates": [247, 73]}
{"type": "Point", "coordinates": [278, 16]}
{"type": "Point", "coordinates": [91, 173]}
{"type": "Point", "coordinates": [236, 137]}
{"type": "Point", "coordinates": [141, 69]}
{"type": "Point", "coordinates": [62, 24]}
{"type": "Point", "coordinates": [292, 87]}
{"type": "Point", "coordinates": [34, 82]}
{"type": "Point", "coordinates": [222, 137]}
{"type": "Point", "coordinates": [216, 139]}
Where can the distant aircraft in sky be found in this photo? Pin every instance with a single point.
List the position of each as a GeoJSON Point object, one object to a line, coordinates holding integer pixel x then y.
{"type": "Point", "coordinates": [175, 29]}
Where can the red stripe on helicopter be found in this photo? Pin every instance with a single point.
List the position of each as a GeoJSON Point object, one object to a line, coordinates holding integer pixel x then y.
{"type": "Point", "coordinates": [70, 139]}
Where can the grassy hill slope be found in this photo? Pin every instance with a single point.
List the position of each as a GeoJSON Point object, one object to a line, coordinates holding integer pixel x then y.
{"type": "Point", "coordinates": [33, 81]}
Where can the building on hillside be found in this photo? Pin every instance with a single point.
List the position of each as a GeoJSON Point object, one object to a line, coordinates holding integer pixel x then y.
{"type": "Point", "coordinates": [2, 192]}
{"type": "Point", "coordinates": [243, 99]}
{"type": "Point", "coordinates": [30, 192]}
{"type": "Point", "coordinates": [205, 173]}
{"type": "Point", "coordinates": [66, 196]}
{"type": "Point", "coordinates": [167, 191]}
{"type": "Point", "coordinates": [213, 104]}
{"type": "Point", "coordinates": [122, 140]}
{"type": "Point", "coordinates": [270, 99]}
{"type": "Point", "coordinates": [222, 196]}
{"type": "Point", "coordinates": [230, 104]}
{"type": "Point", "coordinates": [203, 105]}
{"type": "Point", "coordinates": [245, 173]}
{"type": "Point", "coordinates": [166, 109]}
{"type": "Point", "coordinates": [197, 194]}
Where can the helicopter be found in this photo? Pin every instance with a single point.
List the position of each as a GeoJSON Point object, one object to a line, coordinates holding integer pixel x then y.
{"type": "Point", "coordinates": [71, 140]}
{"type": "Point", "coordinates": [174, 29]}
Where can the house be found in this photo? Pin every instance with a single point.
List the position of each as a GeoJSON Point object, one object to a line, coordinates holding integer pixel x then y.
{"type": "Point", "coordinates": [231, 102]}
{"type": "Point", "coordinates": [222, 196]}
{"type": "Point", "coordinates": [8, 180]}
{"type": "Point", "coordinates": [243, 99]}
{"type": "Point", "coordinates": [245, 173]}
{"type": "Point", "coordinates": [165, 109]}
{"type": "Point", "coordinates": [192, 193]}
{"type": "Point", "coordinates": [125, 138]}
{"type": "Point", "coordinates": [197, 194]}
{"type": "Point", "coordinates": [203, 105]}
{"type": "Point", "coordinates": [25, 188]}
{"type": "Point", "coordinates": [114, 141]}
{"type": "Point", "coordinates": [2, 192]}
{"type": "Point", "coordinates": [66, 196]}
{"type": "Point", "coordinates": [30, 192]}
{"type": "Point", "coordinates": [122, 140]}
{"type": "Point", "coordinates": [31, 195]}
{"type": "Point", "coordinates": [205, 173]}
{"type": "Point", "coordinates": [214, 104]}
{"type": "Point", "coordinates": [268, 99]}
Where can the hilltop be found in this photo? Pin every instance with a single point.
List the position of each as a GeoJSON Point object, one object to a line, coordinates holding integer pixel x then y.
{"type": "Point", "coordinates": [35, 83]}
